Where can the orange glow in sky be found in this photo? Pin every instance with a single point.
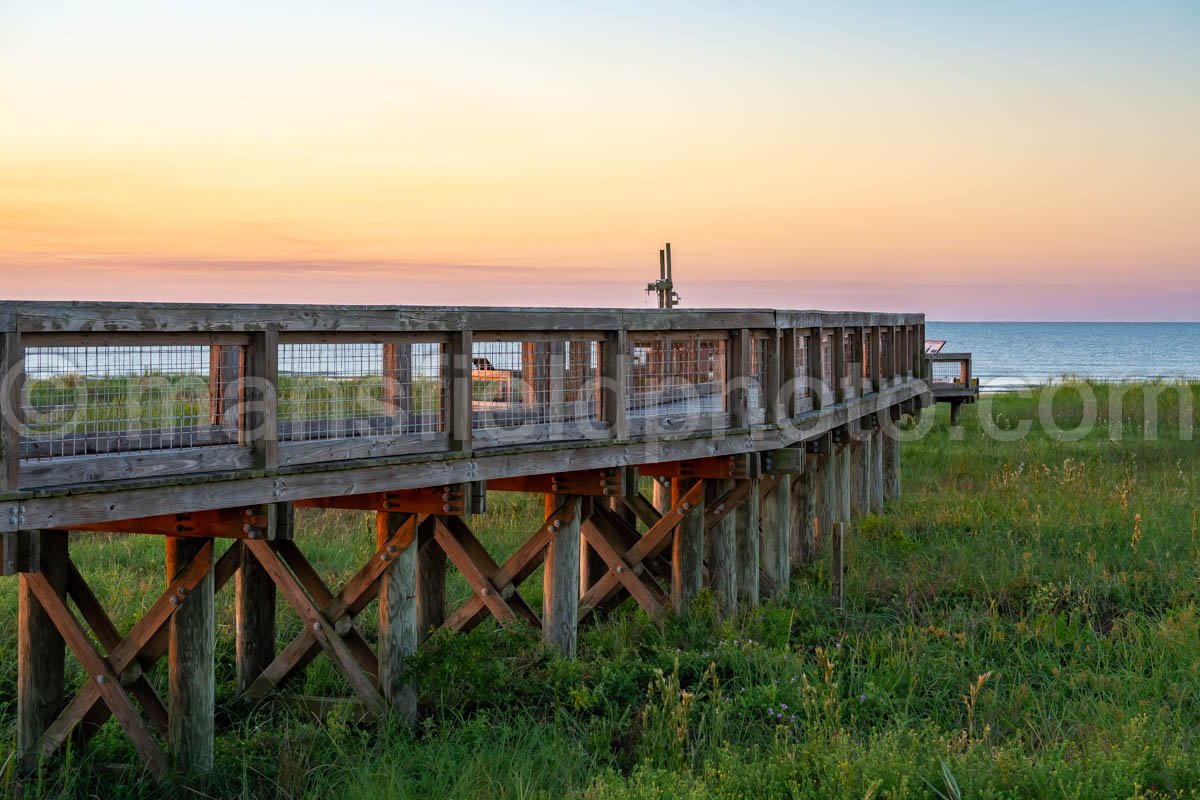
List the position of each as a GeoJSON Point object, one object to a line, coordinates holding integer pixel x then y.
{"type": "Point", "coordinates": [1022, 161]}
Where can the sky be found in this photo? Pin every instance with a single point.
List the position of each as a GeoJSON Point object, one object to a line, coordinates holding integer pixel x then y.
{"type": "Point", "coordinates": [971, 160]}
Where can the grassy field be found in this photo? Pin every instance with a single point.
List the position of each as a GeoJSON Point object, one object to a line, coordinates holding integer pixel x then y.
{"type": "Point", "coordinates": [1022, 623]}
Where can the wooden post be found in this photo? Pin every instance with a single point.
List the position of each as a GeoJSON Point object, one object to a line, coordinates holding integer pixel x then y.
{"type": "Point", "coordinates": [776, 535]}
{"type": "Point", "coordinates": [191, 668]}
{"type": "Point", "coordinates": [738, 372]}
{"type": "Point", "coordinates": [891, 466]}
{"type": "Point", "coordinates": [260, 394]}
{"type": "Point", "coordinates": [398, 633]}
{"type": "Point", "coordinates": [804, 515]}
{"type": "Point", "coordinates": [254, 620]}
{"type": "Point", "coordinates": [560, 592]}
{"type": "Point", "coordinates": [746, 526]}
{"type": "Point", "coordinates": [837, 566]}
{"type": "Point", "coordinates": [687, 552]}
{"type": "Point", "coordinates": [11, 381]}
{"type": "Point", "coordinates": [40, 647]}
{"type": "Point", "coordinates": [722, 549]}
{"type": "Point", "coordinates": [955, 414]}
{"type": "Point", "coordinates": [457, 380]}
{"type": "Point", "coordinates": [614, 380]}
{"type": "Point", "coordinates": [876, 470]}
{"type": "Point", "coordinates": [431, 579]}
{"type": "Point", "coordinates": [816, 368]}
{"type": "Point", "coordinates": [837, 379]}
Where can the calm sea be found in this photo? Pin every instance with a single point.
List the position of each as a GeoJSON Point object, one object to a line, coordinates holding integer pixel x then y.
{"type": "Point", "coordinates": [1008, 353]}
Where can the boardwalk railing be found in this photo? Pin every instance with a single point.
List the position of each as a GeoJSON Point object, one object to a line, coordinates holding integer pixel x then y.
{"type": "Point", "coordinates": [763, 432]}
{"type": "Point", "coordinates": [100, 392]}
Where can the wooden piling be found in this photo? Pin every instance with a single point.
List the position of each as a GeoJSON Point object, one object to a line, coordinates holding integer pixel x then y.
{"type": "Point", "coordinates": [687, 552]}
{"type": "Point", "coordinates": [842, 472]}
{"type": "Point", "coordinates": [776, 536]}
{"type": "Point", "coordinates": [190, 663]}
{"type": "Point", "coordinates": [837, 549]}
{"type": "Point", "coordinates": [891, 466]}
{"type": "Point", "coordinates": [860, 475]}
{"type": "Point", "coordinates": [398, 631]}
{"type": "Point", "coordinates": [876, 471]}
{"type": "Point", "coordinates": [560, 594]}
{"type": "Point", "coordinates": [804, 515]}
{"type": "Point", "coordinates": [254, 620]}
{"type": "Point", "coordinates": [721, 545]}
{"type": "Point", "coordinates": [40, 647]}
{"type": "Point", "coordinates": [746, 527]}
{"type": "Point", "coordinates": [431, 579]}
{"type": "Point", "coordinates": [825, 475]}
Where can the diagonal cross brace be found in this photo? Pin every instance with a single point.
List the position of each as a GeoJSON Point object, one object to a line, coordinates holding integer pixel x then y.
{"type": "Point", "coordinates": [358, 592]}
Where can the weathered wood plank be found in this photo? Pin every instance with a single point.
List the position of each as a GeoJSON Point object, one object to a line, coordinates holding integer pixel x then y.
{"type": "Point", "coordinates": [721, 547]}
{"type": "Point", "coordinates": [776, 535]}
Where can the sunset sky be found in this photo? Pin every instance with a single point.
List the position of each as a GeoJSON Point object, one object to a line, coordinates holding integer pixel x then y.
{"type": "Point", "coordinates": [1000, 160]}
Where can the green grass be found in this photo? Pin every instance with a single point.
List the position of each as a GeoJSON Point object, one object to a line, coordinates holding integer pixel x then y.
{"type": "Point", "coordinates": [1022, 623]}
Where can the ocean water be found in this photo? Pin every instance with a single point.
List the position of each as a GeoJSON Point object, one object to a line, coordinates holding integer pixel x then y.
{"type": "Point", "coordinates": [1005, 354]}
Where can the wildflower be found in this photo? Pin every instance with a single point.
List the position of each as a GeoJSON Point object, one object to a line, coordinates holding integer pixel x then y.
{"type": "Point", "coordinates": [862, 698]}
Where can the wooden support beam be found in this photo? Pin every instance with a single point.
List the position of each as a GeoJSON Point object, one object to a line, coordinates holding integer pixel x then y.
{"type": "Point", "coordinates": [746, 530]}
{"type": "Point", "coordinates": [225, 523]}
{"type": "Point", "coordinates": [398, 633]}
{"type": "Point", "coordinates": [591, 482]}
{"type": "Point", "coordinates": [740, 466]}
{"type": "Point", "coordinates": [860, 476]}
{"type": "Point", "coordinates": [687, 552]}
{"type": "Point", "coordinates": [688, 505]}
{"type": "Point", "coordinates": [776, 535]}
{"type": "Point", "coordinates": [191, 670]}
{"type": "Point", "coordinates": [320, 624]}
{"type": "Point", "coordinates": [450, 499]}
{"type": "Point", "coordinates": [560, 584]}
{"type": "Point", "coordinates": [626, 567]}
{"type": "Point", "coordinates": [40, 646]}
{"type": "Point", "coordinates": [142, 647]}
{"type": "Point", "coordinates": [783, 460]}
{"type": "Point", "coordinates": [721, 545]}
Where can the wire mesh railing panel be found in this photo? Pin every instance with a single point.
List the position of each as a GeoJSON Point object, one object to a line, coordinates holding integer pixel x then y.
{"type": "Point", "coordinates": [344, 390]}
{"type": "Point", "coordinates": [672, 377]}
{"type": "Point", "coordinates": [949, 372]}
{"type": "Point", "coordinates": [521, 383]}
{"type": "Point", "coordinates": [116, 400]}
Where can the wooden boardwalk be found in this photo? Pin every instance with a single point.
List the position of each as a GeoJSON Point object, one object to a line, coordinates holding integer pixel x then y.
{"type": "Point", "coordinates": [760, 428]}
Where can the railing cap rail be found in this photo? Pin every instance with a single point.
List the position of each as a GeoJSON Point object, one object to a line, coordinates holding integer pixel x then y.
{"type": "Point", "coordinates": [118, 317]}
